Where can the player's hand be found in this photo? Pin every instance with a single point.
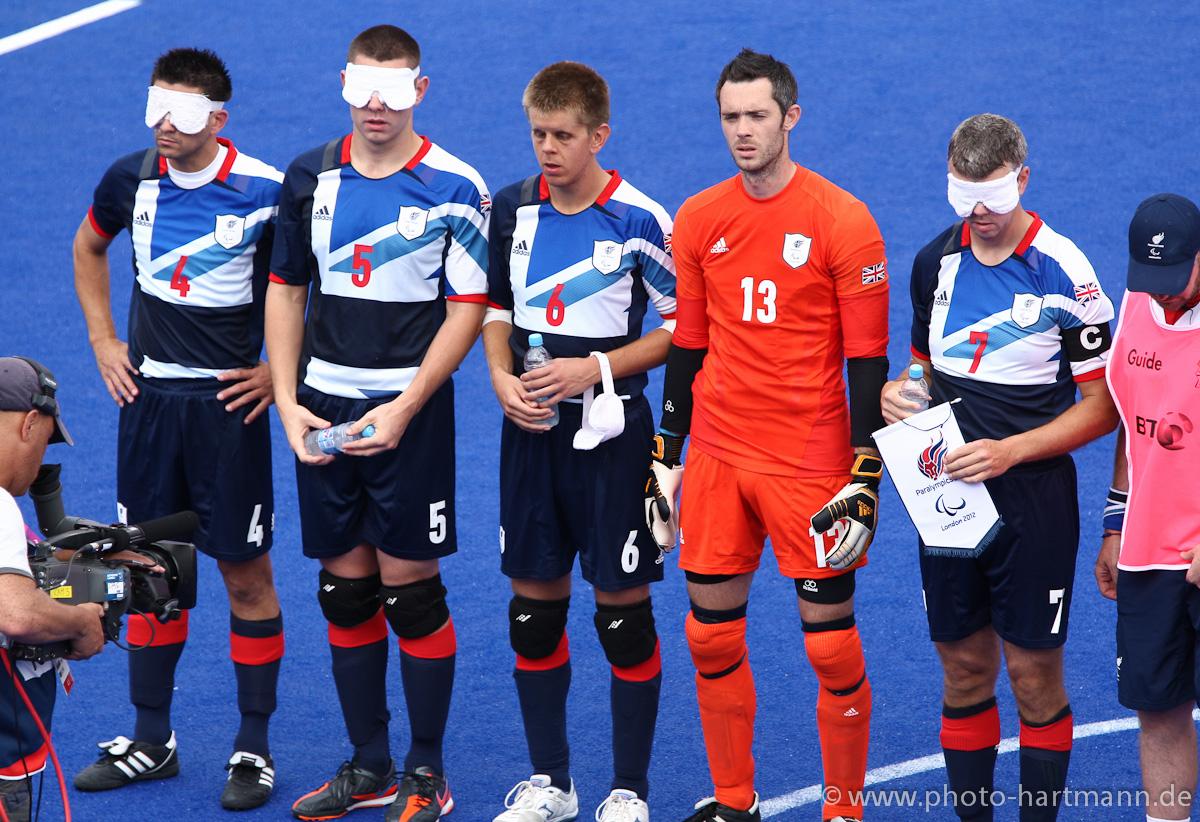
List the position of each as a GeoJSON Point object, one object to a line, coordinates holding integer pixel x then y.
{"type": "Point", "coordinates": [980, 460]}
{"type": "Point", "coordinates": [1192, 555]}
{"type": "Point", "coordinates": [1106, 565]}
{"type": "Point", "coordinates": [390, 420]}
{"type": "Point", "coordinates": [857, 507]}
{"type": "Point", "coordinates": [562, 378]}
{"type": "Point", "coordinates": [895, 407]}
{"type": "Point", "coordinates": [90, 639]}
{"type": "Point", "coordinates": [662, 489]}
{"type": "Point", "coordinates": [297, 422]}
{"type": "Point", "coordinates": [525, 414]}
{"type": "Point", "coordinates": [112, 360]}
{"type": "Point", "coordinates": [249, 385]}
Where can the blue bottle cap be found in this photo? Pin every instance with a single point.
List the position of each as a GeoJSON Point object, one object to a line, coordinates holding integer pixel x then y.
{"type": "Point", "coordinates": [369, 431]}
{"type": "Point", "coordinates": [916, 372]}
{"type": "Point", "coordinates": [535, 340]}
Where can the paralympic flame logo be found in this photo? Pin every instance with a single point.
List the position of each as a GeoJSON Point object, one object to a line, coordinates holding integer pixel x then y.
{"type": "Point", "coordinates": [930, 460]}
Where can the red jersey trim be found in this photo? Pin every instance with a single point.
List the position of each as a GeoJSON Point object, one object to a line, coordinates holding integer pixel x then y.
{"type": "Point", "coordinates": [467, 298]}
{"type": "Point", "coordinates": [275, 278]}
{"type": "Point", "coordinates": [96, 226]}
{"type": "Point", "coordinates": [670, 316]}
{"type": "Point", "coordinates": [230, 156]}
{"type": "Point", "coordinates": [1030, 233]}
{"type": "Point", "coordinates": [497, 306]}
{"type": "Point", "coordinates": [613, 182]}
{"type": "Point", "coordinates": [420, 155]}
{"type": "Point", "coordinates": [543, 188]}
{"type": "Point", "coordinates": [345, 156]}
{"type": "Point", "coordinates": [31, 764]}
{"type": "Point", "coordinates": [1098, 374]}
{"type": "Point", "coordinates": [916, 352]}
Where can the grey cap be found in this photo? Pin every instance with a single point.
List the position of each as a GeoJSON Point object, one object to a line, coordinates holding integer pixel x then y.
{"type": "Point", "coordinates": [27, 385]}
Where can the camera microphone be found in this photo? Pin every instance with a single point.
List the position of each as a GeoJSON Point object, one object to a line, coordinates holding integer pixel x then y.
{"type": "Point", "coordinates": [177, 527]}
{"type": "Point", "coordinates": [46, 493]}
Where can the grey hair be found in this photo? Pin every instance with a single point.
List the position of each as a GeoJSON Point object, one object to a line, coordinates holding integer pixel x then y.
{"type": "Point", "coordinates": [985, 142]}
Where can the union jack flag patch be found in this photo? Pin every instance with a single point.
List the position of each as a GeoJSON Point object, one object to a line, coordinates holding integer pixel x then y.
{"type": "Point", "coordinates": [874, 273]}
{"type": "Point", "coordinates": [1087, 292]}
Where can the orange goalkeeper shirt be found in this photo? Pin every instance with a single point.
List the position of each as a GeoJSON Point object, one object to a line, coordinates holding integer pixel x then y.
{"type": "Point", "coordinates": [780, 291]}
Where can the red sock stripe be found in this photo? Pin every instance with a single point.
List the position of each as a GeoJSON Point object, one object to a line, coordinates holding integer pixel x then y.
{"type": "Point", "coordinates": [972, 733]}
{"type": "Point", "coordinates": [31, 764]}
{"type": "Point", "coordinates": [374, 629]}
{"type": "Point", "coordinates": [255, 650]}
{"type": "Point", "coordinates": [642, 672]}
{"type": "Point", "coordinates": [1053, 737]}
{"type": "Point", "coordinates": [438, 645]}
{"type": "Point", "coordinates": [141, 628]}
{"type": "Point", "coordinates": [560, 657]}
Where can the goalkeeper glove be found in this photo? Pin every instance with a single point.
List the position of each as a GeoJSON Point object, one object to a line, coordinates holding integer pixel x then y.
{"type": "Point", "coordinates": [662, 489]}
{"type": "Point", "coordinates": [856, 505]}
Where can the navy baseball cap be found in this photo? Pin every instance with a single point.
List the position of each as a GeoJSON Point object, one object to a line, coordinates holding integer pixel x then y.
{"type": "Point", "coordinates": [27, 385]}
{"type": "Point", "coordinates": [1164, 237]}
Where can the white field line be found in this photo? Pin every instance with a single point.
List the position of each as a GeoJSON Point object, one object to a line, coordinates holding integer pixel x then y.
{"type": "Point", "coordinates": [60, 25]}
{"type": "Point", "coordinates": [933, 762]}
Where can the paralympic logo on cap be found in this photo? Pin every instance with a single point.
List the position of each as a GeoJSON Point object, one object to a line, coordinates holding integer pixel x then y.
{"type": "Point", "coordinates": [930, 460]}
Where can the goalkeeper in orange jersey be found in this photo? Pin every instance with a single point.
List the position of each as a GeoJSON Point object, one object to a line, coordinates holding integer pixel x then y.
{"type": "Point", "coordinates": [782, 281]}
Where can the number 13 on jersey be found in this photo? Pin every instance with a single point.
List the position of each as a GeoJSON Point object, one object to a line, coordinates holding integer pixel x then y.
{"type": "Point", "coordinates": [758, 300]}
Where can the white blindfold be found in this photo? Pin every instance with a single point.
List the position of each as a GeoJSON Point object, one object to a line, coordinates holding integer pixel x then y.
{"type": "Point", "coordinates": [396, 87]}
{"type": "Point", "coordinates": [998, 196]}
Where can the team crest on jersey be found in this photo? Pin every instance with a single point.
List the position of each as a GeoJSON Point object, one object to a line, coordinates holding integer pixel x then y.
{"type": "Point", "coordinates": [606, 256]}
{"type": "Point", "coordinates": [795, 249]}
{"type": "Point", "coordinates": [411, 223]}
{"type": "Point", "coordinates": [1026, 309]}
{"type": "Point", "coordinates": [229, 230]}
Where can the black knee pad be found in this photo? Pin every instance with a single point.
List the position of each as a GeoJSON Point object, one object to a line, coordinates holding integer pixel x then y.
{"type": "Point", "coordinates": [347, 602]}
{"type": "Point", "coordinates": [536, 626]}
{"type": "Point", "coordinates": [826, 591]}
{"type": "Point", "coordinates": [416, 609]}
{"type": "Point", "coordinates": [627, 632]}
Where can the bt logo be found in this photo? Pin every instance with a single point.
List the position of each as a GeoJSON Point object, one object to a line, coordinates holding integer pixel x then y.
{"type": "Point", "coordinates": [1168, 431]}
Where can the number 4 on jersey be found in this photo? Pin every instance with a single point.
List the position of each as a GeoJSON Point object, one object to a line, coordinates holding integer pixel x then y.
{"type": "Point", "coordinates": [178, 281]}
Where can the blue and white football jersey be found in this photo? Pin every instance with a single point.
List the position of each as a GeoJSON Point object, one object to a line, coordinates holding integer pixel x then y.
{"type": "Point", "coordinates": [1010, 340]}
{"type": "Point", "coordinates": [200, 255]}
{"type": "Point", "coordinates": [582, 280]}
{"type": "Point", "coordinates": [383, 256]}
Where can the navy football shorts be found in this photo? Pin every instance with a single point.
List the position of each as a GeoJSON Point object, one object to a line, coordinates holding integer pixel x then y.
{"type": "Point", "coordinates": [1158, 623]}
{"type": "Point", "coordinates": [400, 501]}
{"type": "Point", "coordinates": [1021, 584]}
{"type": "Point", "coordinates": [556, 502]}
{"type": "Point", "coordinates": [179, 449]}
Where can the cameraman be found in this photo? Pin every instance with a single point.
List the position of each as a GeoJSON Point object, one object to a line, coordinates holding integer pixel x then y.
{"type": "Point", "coordinates": [29, 421]}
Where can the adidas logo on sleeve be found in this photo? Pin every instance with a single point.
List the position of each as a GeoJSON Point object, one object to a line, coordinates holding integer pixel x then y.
{"type": "Point", "coordinates": [719, 247]}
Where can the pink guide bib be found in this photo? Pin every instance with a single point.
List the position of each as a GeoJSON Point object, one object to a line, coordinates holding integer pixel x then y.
{"type": "Point", "coordinates": [1154, 376]}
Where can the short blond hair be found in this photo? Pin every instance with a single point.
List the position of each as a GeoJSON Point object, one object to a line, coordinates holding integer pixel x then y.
{"type": "Point", "coordinates": [569, 86]}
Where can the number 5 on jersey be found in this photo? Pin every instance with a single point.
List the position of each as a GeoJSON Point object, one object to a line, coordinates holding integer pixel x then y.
{"type": "Point", "coordinates": [762, 308]}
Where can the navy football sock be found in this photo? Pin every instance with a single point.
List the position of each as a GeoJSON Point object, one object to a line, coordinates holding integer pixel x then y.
{"type": "Point", "coordinates": [969, 739]}
{"type": "Point", "coordinates": [542, 686]}
{"type": "Point", "coordinates": [360, 656]}
{"type": "Point", "coordinates": [1045, 755]}
{"type": "Point", "coordinates": [152, 674]}
{"type": "Point", "coordinates": [427, 670]}
{"type": "Point", "coordinates": [634, 715]}
{"type": "Point", "coordinates": [256, 646]}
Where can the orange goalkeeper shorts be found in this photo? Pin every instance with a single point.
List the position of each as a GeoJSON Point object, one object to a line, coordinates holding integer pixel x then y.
{"type": "Point", "coordinates": [726, 514]}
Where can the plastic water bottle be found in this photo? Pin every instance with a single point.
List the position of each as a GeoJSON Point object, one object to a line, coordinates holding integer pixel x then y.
{"type": "Point", "coordinates": [915, 389]}
{"type": "Point", "coordinates": [330, 440]}
{"type": "Point", "coordinates": [536, 357]}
